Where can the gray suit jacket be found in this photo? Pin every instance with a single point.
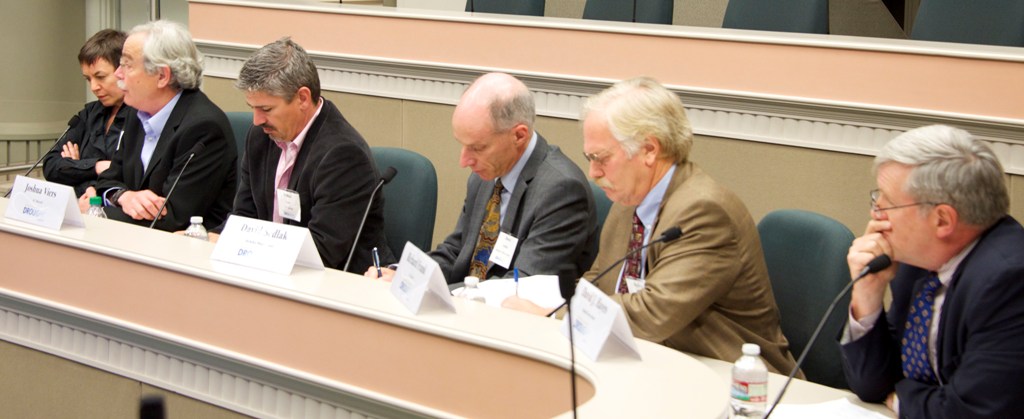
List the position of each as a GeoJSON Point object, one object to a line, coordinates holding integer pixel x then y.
{"type": "Point", "coordinates": [551, 212]}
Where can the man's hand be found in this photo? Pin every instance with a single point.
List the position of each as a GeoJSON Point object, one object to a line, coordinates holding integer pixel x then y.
{"type": "Point", "coordinates": [70, 151]}
{"type": "Point", "coordinates": [386, 274]}
{"type": "Point", "coordinates": [141, 205]}
{"type": "Point", "coordinates": [868, 294]}
{"type": "Point", "coordinates": [524, 305]}
{"type": "Point", "coordinates": [101, 166]}
{"type": "Point", "coordinates": [83, 201]}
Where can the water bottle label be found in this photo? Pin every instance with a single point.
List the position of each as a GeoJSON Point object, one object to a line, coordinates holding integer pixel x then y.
{"type": "Point", "coordinates": [750, 392]}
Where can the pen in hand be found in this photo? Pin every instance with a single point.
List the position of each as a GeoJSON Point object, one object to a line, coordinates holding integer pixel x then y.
{"type": "Point", "coordinates": [376, 262]}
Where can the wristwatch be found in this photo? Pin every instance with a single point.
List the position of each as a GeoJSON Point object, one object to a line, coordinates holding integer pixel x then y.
{"type": "Point", "coordinates": [117, 195]}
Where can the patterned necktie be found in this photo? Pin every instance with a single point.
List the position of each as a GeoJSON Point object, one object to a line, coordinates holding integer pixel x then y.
{"type": "Point", "coordinates": [636, 241]}
{"type": "Point", "coordinates": [488, 234]}
{"type": "Point", "coordinates": [916, 364]}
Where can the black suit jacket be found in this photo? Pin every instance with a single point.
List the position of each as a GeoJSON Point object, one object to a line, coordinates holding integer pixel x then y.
{"type": "Point", "coordinates": [334, 175]}
{"type": "Point", "coordinates": [551, 212]}
{"type": "Point", "coordinates": [980, 338]}
{"type": "Point", "coordinates": [208, 184]}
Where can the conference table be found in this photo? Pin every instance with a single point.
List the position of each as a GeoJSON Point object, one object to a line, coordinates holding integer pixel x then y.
{"type": "Point", "coordinates": [153, 307]}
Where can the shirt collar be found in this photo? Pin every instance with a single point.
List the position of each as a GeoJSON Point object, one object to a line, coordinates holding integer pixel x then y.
{"type": "Point", "coordinates": [154, 124]}
{"type": "Point", "coordinates": [648, 208]}
{"type": "Point", "coordinates": [947, 270]}
{"type": "Point", "coordinates": [299, 139]}
{"type": "Point", "coordinates": [508, 181]}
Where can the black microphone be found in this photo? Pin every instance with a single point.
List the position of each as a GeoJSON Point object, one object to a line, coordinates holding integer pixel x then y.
{"type": "Point", "coordinates": [567, 286]}
{"type": "Point", "coordinates": [73, 122]}
{"type": "Point", "coordinates": [666, 236]}
{"type": "Point", "coordinates": [198, 148]}
{"type": "Point", "coordinates": [386, 177]}
{"type": "Point", "coordinates": [877, 264]}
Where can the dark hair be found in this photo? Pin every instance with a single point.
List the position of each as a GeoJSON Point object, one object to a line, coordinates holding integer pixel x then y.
{"type": "Point", "coordinates": [105, 44]}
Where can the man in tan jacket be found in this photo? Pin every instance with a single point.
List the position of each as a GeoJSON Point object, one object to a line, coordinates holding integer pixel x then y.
{"type": "Point", "coordinates": [705, 293]}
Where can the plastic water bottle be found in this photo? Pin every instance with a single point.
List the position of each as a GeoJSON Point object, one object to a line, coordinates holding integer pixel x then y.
{"type": "Point", "coordinates": [749, 393]}
{"type": "Point", "coordinates": [196, 229]}
{"type": "Point", "coordinates": [96, 207]}
{"type": "Point", "coordinates": [471, 291]}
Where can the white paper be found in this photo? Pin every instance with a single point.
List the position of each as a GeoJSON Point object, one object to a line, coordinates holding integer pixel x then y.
{"type": "Point", "coordinates": [835, 409]}
{"type": "Point", "coordinates": [266, 245]}
{"type": "Point", "coordinates": [44, 204]}
{"type": "Point", "coordinates": [418, 283]}
{"type": "Point", "coordinates": [600, 329]}
{"type": "Point", "coordinates": [540, 289]}
{"type": "Point", "coordinates": [504, 249]}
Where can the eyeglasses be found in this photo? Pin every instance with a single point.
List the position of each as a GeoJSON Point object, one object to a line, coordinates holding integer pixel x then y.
{"type": "Point", "coordinates": [874, 203]}
{"type": "Point", "coordinates": [597, 158]}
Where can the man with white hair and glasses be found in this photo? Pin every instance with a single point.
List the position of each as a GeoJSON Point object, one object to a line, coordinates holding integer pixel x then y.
{"type": "Point", "coordinates": [160, 73]}
{"type": "Point", "coordinates": [951, 343]}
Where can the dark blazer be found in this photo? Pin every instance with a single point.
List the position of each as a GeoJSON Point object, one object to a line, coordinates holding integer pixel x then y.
{"type": "Point", "coordinates": [334, 175]}
{"type": "Point", "coordinates": [95, 143]}
{"type": "Point", "coordinates": [980, 339]}
{"type": "Point", "coordinates": [208, 184]}
{"type": "Point", "coordinates": [550, 211]}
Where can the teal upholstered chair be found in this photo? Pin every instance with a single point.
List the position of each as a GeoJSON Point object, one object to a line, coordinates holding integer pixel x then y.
{"type": "Point", "coordinates": [241, 122]}
{"type": "Point", "coordinates": [647, 11]}
{"type": "Point", "coordinates": [509, 7]}
{"type": "Point", "coordinates": [807, 16]}
{"type": "Point", "coordinates": [410, 199]}
{"type": "Point", "coordinates": [806, 257]}
{"type": "Point", "coordinates": [602, 204]}
{"type": "Point", "coordinates": [992, 22]}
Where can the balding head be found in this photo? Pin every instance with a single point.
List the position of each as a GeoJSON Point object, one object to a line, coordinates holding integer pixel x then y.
{"type": "Point", "coordinates": [494, 123]}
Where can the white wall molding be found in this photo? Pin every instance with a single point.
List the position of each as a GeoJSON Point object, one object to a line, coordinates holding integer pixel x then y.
{"type": "Point", "coordinates": [210, 377]}
{"type": "Point", "coordinates": [798, 122]}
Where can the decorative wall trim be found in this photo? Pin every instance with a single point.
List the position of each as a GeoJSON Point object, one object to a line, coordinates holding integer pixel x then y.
{"type": "Point", "coordinates": [213, 378]}
{"type": "Point", "coordinates": [797, 122]}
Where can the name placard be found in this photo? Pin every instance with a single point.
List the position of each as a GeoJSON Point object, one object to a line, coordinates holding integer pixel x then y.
{"type": "Point", "coordinates": [419, 284]}
{"type": "Point", "coordinates": [599, 327]}
{"type": "Point", "coordinates": [266, 245]}
{"type": "Point", "coordinates": [44, 204]}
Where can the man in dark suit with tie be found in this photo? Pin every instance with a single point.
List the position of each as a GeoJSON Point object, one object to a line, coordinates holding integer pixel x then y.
{"type": "Point", "coordinates": [951, 344]}
{"type": "Point", "coordinates": [522, 189]}
{"type": "Point", "coordinates": [160, 73]}
{"type": "Point", "coordinates": [304, 164]}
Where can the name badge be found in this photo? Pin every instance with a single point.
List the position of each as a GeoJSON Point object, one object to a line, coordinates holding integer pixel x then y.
{"type": "Point", "coordinates": [635, 284]}
{"type": "Point", "coordinates": [599, 327]}
{"type": "Point", "coordinates": [418, 283]}
{"type": "Point", "coordinates": [504, 249]}
{"type": "Point", "coordinates": [43, 203]}
{"type": "Point", "coordinates": [266, 246]}
{"type": "Point", "coordinates": [288, 205]}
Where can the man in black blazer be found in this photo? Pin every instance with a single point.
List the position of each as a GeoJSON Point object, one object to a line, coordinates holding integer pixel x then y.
{"type": "Point", "coordinates": [952, 342]}
{"type": "Point", "coordinates": [545, 200]}
{"type": "Point", "coordinates": [162, 82]}
{"type": "Point", "coordinates": [304, 164]}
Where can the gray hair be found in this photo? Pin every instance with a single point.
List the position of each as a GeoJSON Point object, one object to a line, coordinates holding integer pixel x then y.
{"type": "Point", "coordinates": [511, 109]}
{"type": "Point", "coordinates": [951, 167]}
{"type": "Point", "coordinates": [280, 68]}
{"type": "Point", "coordinates": [639, 108]}
{"type": "Point", "coordinates": [168, 44]}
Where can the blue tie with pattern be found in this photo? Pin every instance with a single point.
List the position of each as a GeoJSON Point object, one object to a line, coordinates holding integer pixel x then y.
{"type": "Point", "coordinates": [916, 364]}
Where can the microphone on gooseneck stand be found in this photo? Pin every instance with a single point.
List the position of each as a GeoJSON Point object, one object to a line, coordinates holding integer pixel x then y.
{"type": "Point", "coordinates": [385, 177]}
{"type": "Point", "coordinates": [666, 236]}
{"type": "Point", "coordinates": [879, 263]}
{"type": "Point", "coordinates": [567, 286]}
{"type": "Point", "coordinates": [198, 148]}
{"type": "Point", "coordinates": [73, 122]}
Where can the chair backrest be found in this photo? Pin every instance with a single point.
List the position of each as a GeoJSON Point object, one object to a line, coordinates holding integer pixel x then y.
{"type": "Point", "coordinates": [410, 199]}
{"type": "Point", "coordinates": [602, 204]}
{"type": "Point", "coordinates": [509, 7]}
{"type": "Point", "coordinates": [241, 122]}
{"type": "Point", "coordinates": [647, 11]}
{"type": "Point", "coordinates": [807, 16]}
{"type": "Point", "coordinates": [992, 22]}
{"type": "Point", "coordinates": [806, 257]}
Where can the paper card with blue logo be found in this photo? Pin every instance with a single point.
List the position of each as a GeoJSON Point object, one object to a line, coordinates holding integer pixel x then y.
{"type": "Point", "coordinates": [600, 329]}
{"type": "Point", "coordinates": [45, 204]}
{"type": "Point", "coordinates": [266, 245]}
{"type": "Point", "coordinates": [419, 284]}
